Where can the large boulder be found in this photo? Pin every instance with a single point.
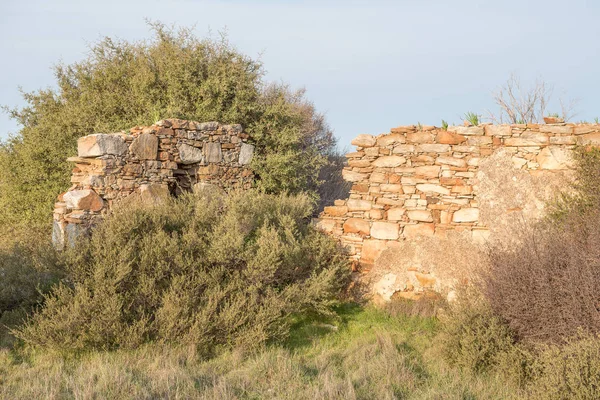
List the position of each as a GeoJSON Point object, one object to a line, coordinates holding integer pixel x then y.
{"type": "Point", "coordinates": [100, 144]}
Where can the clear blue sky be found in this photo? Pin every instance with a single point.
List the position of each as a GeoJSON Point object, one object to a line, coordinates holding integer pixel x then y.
{"type": "Point", "coordinates": [369, 65]}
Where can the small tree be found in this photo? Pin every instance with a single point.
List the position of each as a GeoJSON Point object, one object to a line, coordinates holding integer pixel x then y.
{"type": "Point", "coordinates": [521, 105]}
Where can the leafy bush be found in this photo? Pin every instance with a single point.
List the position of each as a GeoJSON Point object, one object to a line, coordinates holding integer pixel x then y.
{"type": "Point", "coordinates": [474, 338]}
{"type": "Point", "coordinates": [570, 371]}
{"type": "Point", "coordinates": [27, 271]}
{"type": "Point", "coordinates": [204, 269]}
{"type": "Point", "coordinates": [174, 75]}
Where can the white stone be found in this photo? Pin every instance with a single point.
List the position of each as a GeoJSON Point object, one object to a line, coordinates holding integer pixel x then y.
{"type": "Point", "coordinates": [420, 215]}
{"type": "Point", "coordinates": [385, 230]}
{"type": "Point", "coordinates": [466, 215]}
{"type": "Point", "coordinates": [389, 161]}
{"type": "Point", "coordinates": [432, 188]}
{"type": "Point", "coordinates": [364, 140]}
{"type": "Point", "coordinates": [246, 154]}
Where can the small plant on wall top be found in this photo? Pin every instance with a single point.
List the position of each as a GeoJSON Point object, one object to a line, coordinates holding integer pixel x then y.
{"type": "Point", "coordinates": [444, 125]}
{"type": "Point", "coordinates": [472, 118]}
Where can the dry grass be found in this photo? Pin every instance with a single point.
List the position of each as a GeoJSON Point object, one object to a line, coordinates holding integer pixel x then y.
{"type": "Point", "coordinates": [369, 355]}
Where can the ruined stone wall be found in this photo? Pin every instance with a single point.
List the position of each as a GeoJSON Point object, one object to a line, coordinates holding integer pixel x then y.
{"type": "Point", "coordinates": [148, 163]}
{"type": "Point", "coordinates": [423, 197]}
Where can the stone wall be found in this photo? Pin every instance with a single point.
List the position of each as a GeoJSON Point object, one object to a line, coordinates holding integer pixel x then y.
{"type": "Point", "coordinates": [423, 197]}
{"type": "Point", "coordinates": [148, 163]}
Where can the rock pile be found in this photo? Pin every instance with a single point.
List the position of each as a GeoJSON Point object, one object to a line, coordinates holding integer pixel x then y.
{"type": "Point", "coordinates": [167, 158]}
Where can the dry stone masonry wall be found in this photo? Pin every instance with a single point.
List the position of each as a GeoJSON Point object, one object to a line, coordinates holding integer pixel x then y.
{"type": "Point", "coordinates": [424, 182]}
{"type": "Point", "coordinates": [149, 163]}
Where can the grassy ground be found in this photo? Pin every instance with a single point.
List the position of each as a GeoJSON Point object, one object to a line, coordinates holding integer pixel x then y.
{"type": "Point", "coordinates": [367, 354]}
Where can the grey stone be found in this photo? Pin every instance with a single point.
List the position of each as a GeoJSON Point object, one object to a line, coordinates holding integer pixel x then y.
{"type": "Point", "coordinates": [212, 152]}
{"type": "Point", "coordinates": [72, 233]}
{"type": "Point", "coordinates": [208, 126]}
{"type": "Point", "coordinates": [246, 153]}
{"type": "Point", "coordinates": [100, 144]}
{"type": "Point", "coordinates": [58, 235]}
{"type": "Point", "coordinates": [189, 154]}
{"type": "Point", "coordinates": [145, 147]}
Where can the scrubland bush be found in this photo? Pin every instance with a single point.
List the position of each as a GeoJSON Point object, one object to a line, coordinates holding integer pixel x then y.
{"type": "Point", "coordinates": [474, 338]}
{"type": "Point", "coordinates": [205, 269]}
{"type": "Point", "coordinates": [569, 371]}
{"type": "Point", "coordinates": [27, 271]}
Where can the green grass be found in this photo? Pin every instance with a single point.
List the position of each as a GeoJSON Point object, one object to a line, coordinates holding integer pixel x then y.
{"type": "Point", "coordinates": [364, 354]}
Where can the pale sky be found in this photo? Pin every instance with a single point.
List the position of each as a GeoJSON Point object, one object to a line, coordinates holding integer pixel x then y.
{"type": "Point", "coordinates": [368, 65]}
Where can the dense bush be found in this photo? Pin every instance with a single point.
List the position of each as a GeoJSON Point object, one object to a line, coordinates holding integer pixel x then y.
{"type": "Point", "coordinates": [570, 371]}
{"type": "Point", "coordinates": [205, 269]}
{"type": "Point", "coordinates": [27, 271]}
{"type": "Point", "coordinates": [174, 75]}
{"type": "Point", "coordinates": [473, 337]}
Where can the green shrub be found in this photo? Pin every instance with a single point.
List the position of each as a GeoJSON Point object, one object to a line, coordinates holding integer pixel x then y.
{"type": "Point", "coordinates": [477, 340]}
{"type": "Point", "coordinates": [204, 269]}
{"type": "Point", "coordinates": [27, 271]}
{"type": "Point", "coordinates": [569, 371]}
{"type": "Point", "coordinates": [122, 84]}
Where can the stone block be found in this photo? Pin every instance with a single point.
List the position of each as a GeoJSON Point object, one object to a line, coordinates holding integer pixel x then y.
{"type": "Point", "coordinates": [433, 148]}
{"type": "Point", "coordinates": [420, 137]}
{"type": "Point", "coordinates": [154, 193]}
{"type": "Point", "coordinates": [394, 138]}
{"type": "Point", "coordinates": [145, 147]}
{"type": "Point", "coordinates": [100, 144]}
{"type": "Point", "coordinates": [403, 149]}
{"type": "Point", "coordinates": [395, 214]}
{"type": "Point", "coordinates": [246, 154]}
{"type": "Point", "coordinates": [419, 215]}
{"type": "Point", "coordinates": [385, 230]}
{"type": "Point", "coordinates": [358, 205]}
{"type": "Point", "coordinates": [85, 199]}
{"type": "Point", "coordinates": [364, 140]}
{"type": "Point", "coordinates": [213, 154]}
{"type": "Point", "coordinates": [353, 176]}
{"type": "Point", "coordinates": [466, 215]}
{"type": "Point", "coordinates": [432, 188]}
{"type": "Point", "coordinates": [391, 188]}
{"type": "Point", "coordinates": [445, 137]}
{"type": "Point", "coordinates": [527, 139]}
{"type": "Point", "coordinates": [190, 154]}
{"type": "Point", "coordinates": [466, 130]}
{"type": "Point", "coordinates": [456, 162]}
{"type": "Point", "coordinates": [388, 161]}
{"type": "Point", "coordinates": [498, 130]}
{"type": "Point", "coordinates": [371, 250]}
{"type": "Point", "coordinates": [336, 211]}
{"type": "Point", "coordinates": [589, 139]}
{"type": "Point", "coordinates": [414, 230]}
{"type": "Point", "coordinates": [554, 157]}
{"type": "Point", "coordinates": [356, 225]}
